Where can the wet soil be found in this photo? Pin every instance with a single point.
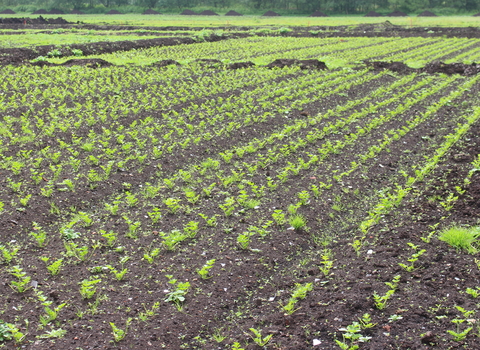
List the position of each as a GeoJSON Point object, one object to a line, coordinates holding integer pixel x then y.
{"type": "Point", "coordinates": [246, 289]}
{"type": "Point", "coordinates": [431, 68]}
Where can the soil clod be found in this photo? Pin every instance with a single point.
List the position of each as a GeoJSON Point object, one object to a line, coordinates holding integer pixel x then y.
{"type": "Point", "coordinates": [233, 13]}
{"type": "Point", "coordinates": [271, 14]}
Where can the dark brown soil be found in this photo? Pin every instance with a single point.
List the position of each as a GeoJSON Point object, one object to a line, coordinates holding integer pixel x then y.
{"type": "Point", "coordinates": [240, 65]}
{"type": "Point", "coordinates": [32, 21]}
{"type": "Point", "coordinates": [270, 14]}
{"type": "Point", "coordinates": [247, 287]}
{"type": "Point", "coordinates": [373, 14]}
{"type": "Point", "coordinates": [233, 13]}
{"type": "Point", "coordinates": [87, 62]}
{"type": "Point", "coordinates": [113, 12]}
{"type": "Point", "coordinates": [476, 15]}
{"type": "Point", "coordinates": [208, 13]}
{"type": "Point", "coordinates": [55, 12]}
{"type": "Point", "coordinates": [431, 68]}
{"type": "Point", "coordinates": [23, 55]}
{"type": "Point", "coordinates": [7, 12]}
{"type": "Point", "coordinates": [151, 12]}
{"type": "Point", "coordinates": [189, 13]}
{"type": "Point", "coordinates": [318, 14]}
{"type": "Point", "coordinates": [165, 63]}
{"type": "Point", "coordinates": [40, 12]}
{"type": "Point", "coordinates": [304, 64]}
{"type": "Point", "coordinates": [397, 13]}
{"type": "Point", "coordinates": [427, 14]}
{"type": "Point", "coordinates": [77, 12]}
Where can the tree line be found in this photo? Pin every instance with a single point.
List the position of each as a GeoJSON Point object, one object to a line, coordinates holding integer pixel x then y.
{"type": "Point", "coordinates": [294, 6]}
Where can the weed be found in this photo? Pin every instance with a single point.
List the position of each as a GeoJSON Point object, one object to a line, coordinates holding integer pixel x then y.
{"type": "Point", "coordinates": [462, 238]}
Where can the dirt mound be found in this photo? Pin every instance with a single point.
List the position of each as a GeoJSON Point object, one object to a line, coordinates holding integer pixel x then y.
{"type": "Point", "coordinates": [431, 68]}
{"type": "Point", "coordinates": [397, 13]}
{"type": "Point", "coordinates": [270, 14]}
{"type": "Point", "coordinates": [476, 15]}
{"type": "Point", "coordinates": [240, 65]}
{"type": "Point", "coordinates": [373, 14]}
{"type": "Point", "coordinates": [233, 13]}
{"type": "Point", "coordinates": [7, 12]}
{"type": "Point", "coordinates": [40, 12]}
{"type": "Point", "coordinates": [77, 12]}
{"type": "Point", "coordinates": [56, 12]}
{"type": "Point", "coordinates": [114, 12]}
{"type": "Point", "coordinates": [151, 12]}
{"type": "Point", "coordinates": [318, 14]}
{"type": "Point", "coordinates": [208, 13]}
{"type": "Point", "coordinates": [453, 68]}
{"type": "Point", "coordinates": [398, 67]}
{"type": "Point", "coordinates": [87, 62]}
{"type": "Point", "coordinates": [304, 64]}
{"type": "Point", "coordinates": [39, 20]}
{"type": "Point", "coordinates": [189, 13]}
{"type": "Point", "coordinates": [427, 14]}
{"type": "Point", "coordinates": [164, 63]}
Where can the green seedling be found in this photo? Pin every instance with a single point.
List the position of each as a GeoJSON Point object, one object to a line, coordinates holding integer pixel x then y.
{"type": "Point", "coordinates": [39, 235]}
{"type": "Point", "coordinates": [474, 293]}
{"type": "Point", "coordinates": [22, 283]}
{"type": "Point", "coordinates": [459, 335]}
{"type": "Point", "coordinates": [119, 334]}
{"type": "Point", "coordinates": [381, 300]}
{"type": "Point", "coordinates": [279, 217]}
{"type": "Point", "coordinates": [8, 254]}
{"type": "Point", "coordinates": [204, 271]}
{"type": "Point", "coordinates": [326, 262]}
{"type": "Point", "coordinates": [351, 335]}
{"type": "Point", "coordinates": [177, 296]}
{"type": "Point", "coordinates": [366, 321]}
{"type": "Point", "coordinates": [55, 267]}
{"type": "Point", "coordinates": [88, 288]}
{"type": "Point", "coordinates": [297, 221]}
{"type": "Point", "coordinates": [150, 256]}
{"type": "Point", "coordinates": [413, 259]}
{"type": "Point", "coordinates": [149, 313]}
{"type": "Point", "coordinates": [173, 205]}
{"type": "Point", "coordinates": [258, 339]}
{"type": "Point", "coordinates": [50, 314]}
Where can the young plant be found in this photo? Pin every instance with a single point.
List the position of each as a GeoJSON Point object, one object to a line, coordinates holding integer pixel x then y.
{"type": "Point", "coordinates": [297, 221]}
{"type": "Point", "coordinates": [457, 334]}
{"type": "Point", "coordinates": [54, 268]}
{"type": "Point", "coordinates": [413, 259]}
{"type": "Point", "coordinates": [326, 262]}
{"type": "Point", "coordinates": [88, 288]}
{"type": "Point", "coordinates": [22, 283]}
{"type": "Point", "coordinates": [177, 296]}
{"type": "Point", "coordinates": [351, 336]}
{"type": "Point", "coordinates": [381, 300]}
{"type": "Point", "coordinates": [204, 271]}
{"type": "Point", "coordinates": [258, 339]}
{"type": "Point", "coordinates": [119, 334]}
{"type": "Point", "coordinates": [39, 235]}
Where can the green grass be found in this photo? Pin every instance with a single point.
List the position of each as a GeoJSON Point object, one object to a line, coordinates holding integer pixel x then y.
{"type": "Point", "coordinates": [304, 21]}
{"type": "Point", "coordinates": [462, 238]}
{"type": "Point", "coordinates": [36, 39]}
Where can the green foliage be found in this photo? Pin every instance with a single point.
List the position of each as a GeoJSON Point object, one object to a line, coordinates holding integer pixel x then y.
{"type": "Point", "coordinates": [204, 271]}
{"type": "Point", "coordinates": [88, 288]}
{"type": "Point", "coordinates": [462, 238]}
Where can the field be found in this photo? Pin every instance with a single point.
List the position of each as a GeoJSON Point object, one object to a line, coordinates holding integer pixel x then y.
{"type": "Point", "coordinates": [239, 189]}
